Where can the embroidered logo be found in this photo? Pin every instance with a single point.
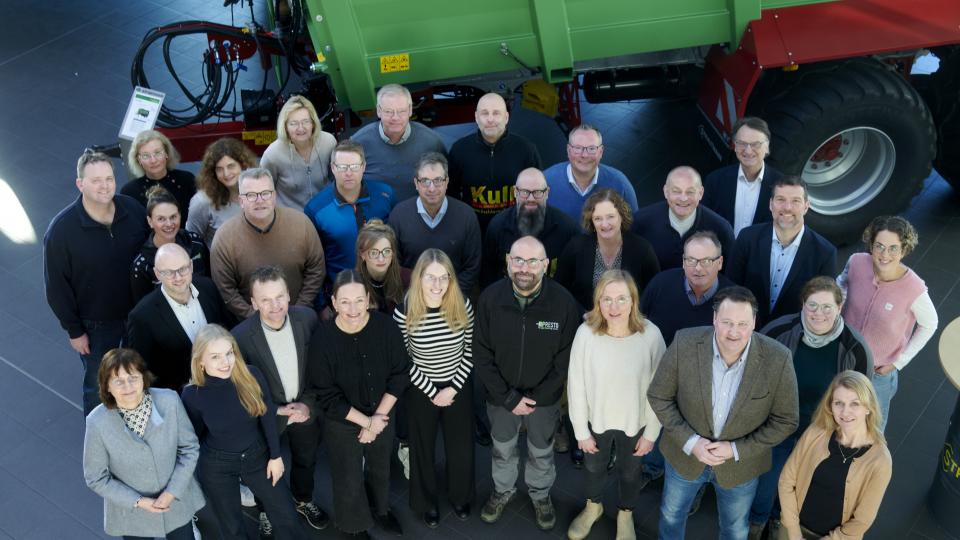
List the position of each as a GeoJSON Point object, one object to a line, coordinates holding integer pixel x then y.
{"type": "Point", "coordinates": [548, 325]}
{"type": "Point", "coordinates": [888, 306]}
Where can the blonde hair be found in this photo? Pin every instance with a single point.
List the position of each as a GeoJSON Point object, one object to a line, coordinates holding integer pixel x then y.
{"type": "Point", "coordinates": [453, 306]}
{"type": "Point", "coordinates": [248, 389]}
{"type": "Point", "coordinates": [142, 138]}
{"type": "Point", "coordinates": [595, 319]}
{"type": "Point", "coordinates": [859, 384]}
{"type": "Point", "coordinates": [294, 104]}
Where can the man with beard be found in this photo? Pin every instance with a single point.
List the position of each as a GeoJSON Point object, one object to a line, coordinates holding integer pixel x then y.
{"type": "Point", "coordinates": [531, 217]}
{"type": "Point", "coordinates": [524, 329]}
{"type": "Point", "coordinates": [483, 164]}
{"type": "Point", "coordinates": [774, 260]}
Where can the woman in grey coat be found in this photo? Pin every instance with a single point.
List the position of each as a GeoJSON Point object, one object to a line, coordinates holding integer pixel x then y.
{"type": "Point", "coordinates": [139, 453]}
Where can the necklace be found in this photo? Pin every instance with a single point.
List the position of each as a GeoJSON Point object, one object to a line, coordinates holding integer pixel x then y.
{"type": "Point", "coordinates": [844, 456]}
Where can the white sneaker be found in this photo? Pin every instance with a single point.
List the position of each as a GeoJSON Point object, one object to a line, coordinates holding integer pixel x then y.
{"type": "Point", "coordinates": [246, 497]}
{"type": "Point", "coordinates": [403, 454]}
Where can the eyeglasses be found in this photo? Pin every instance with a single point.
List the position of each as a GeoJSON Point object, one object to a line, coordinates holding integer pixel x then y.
{"type": "Point", "coordinates": [155, 155]}
{"type": "Point", "coordinates": [526, 193]}
{"type": "Point", "coordinates": [182, 271]}
{"type": "Point", "coordinates": [131, 380]}
{"type": "Point", "coordinates": [353, 167]}
{"type": "Point", "coordinates": [252, 196]}
{"type": "Point", "coordinates": [692, 262]}
{"type": "Point", "coordinates": [895, 249]}
{"type": "Point", "coordinates": [813, 307]}
{"type": "Point", "coordinates": [532, 264]}
{"type": "Point", "coordinates": [430, 182]}
{"type": "Point", "coordinates": [293, 124]}
{"type": "Point", "coordinates": [743, 145]}
{"type": "Point", "coordinates": [394, 112]}
{"type": "Point", "coordinates": [621, 301]}
{"type": "Point", "coordinates": [377, 253]}
{"type": "Point", "coordinates": [433, 280]}
{"type": "Point", "coordinates": [588, 150]}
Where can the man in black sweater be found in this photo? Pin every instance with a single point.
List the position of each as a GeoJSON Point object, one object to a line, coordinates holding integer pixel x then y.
{"type": "Point", "coordinates": [524, 329]}
{"type": "Point", "coordinates": [531, 217]}
{"type": "Point", "coordinates": [87, 252]}
{"type": "Point", "coordinates": [484, 164]}
{"type": "Point", "coordinates": [668, 224]}
{"type": "Point", "coordinates": [433, 220]}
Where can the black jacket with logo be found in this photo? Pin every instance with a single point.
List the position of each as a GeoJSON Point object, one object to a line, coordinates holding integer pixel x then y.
{"type": "Point", "coordinates": [524, 353]}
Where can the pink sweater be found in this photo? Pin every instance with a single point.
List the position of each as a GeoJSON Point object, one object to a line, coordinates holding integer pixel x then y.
{"type": "Point", "coordinates": [880, 310]}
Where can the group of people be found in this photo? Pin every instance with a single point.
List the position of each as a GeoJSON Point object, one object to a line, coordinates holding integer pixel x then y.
{"type": "Point", "coordinates": [373, 293]}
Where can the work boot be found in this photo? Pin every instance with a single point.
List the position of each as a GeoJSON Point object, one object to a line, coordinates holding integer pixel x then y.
{"type": "Point", "coordinates": [493, 508]}
{"type": "Point", "coordinates": [625, 527]}
{"type": "Point", "coordinates": [546, 517]}
{"type": "Point", "coordinates": [581, 525]}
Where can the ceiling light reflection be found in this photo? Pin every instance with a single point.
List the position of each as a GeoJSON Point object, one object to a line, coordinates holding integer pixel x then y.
{"type": "Point", "coordinates": [14, 223]}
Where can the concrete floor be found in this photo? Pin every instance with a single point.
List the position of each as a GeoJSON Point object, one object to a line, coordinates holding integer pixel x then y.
{"type": "Point", "coordinates": [64, 85]}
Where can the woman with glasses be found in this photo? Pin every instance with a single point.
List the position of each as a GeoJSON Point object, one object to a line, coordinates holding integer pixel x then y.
{"type": "Point", "coordinates": [822, 345]}
{"type": "Point", "coordinates": [607, 244]}
{"type": "Point", "coordinates": [238, 435]}
{"type": "Point", "coordinates": [139, 453]}
{"type": "Point", "coordinates": [358, 367]}
{"type": "Point", "coordinates": [437, 326]}
{"type": "Point", "coordinates": [163, 218]}
{"type": "Point", "coordinates": [153, 160]}
{"type": "Point", "coordinates": [218, 195]}
{"type": "Point", "coordinates": [888, 303]}
{"type": "Point", "coordinates": [379, 267]}
{"type": "Point", "coordinates": [300, 156]}
{"type": "Point", "coordinates": [615, 353]}
{"type": "Point", "coordinates": [835, 479]}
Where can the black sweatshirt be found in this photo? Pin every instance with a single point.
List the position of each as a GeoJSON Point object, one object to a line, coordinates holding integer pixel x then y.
{"type": "Point", "coordinates": [222, 423]}
{"type": "Point", "coordinates": [181, 184]}
{"type": "Point", "coordinates": [524, 352]}
{"type": "Point", "coordinates": [86, 265]}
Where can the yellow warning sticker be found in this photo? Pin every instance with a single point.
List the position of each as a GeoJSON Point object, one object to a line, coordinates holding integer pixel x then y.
{"type": "Point", "coordinates": [392, 63]}
{"type": "Point", "coordinates": [260, 137]}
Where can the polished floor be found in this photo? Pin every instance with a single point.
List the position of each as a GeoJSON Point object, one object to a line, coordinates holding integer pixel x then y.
{"type": "Point", "coordinates": [64, 85]}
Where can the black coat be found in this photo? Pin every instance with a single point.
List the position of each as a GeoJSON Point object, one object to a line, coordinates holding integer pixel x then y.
{"type": "Point", "coordinates": [720, 192]}
{"type": "Point", "coordinates": [575, 267]}
{"type": "Point", "coordinates": [154, 331]}
{"type": "Point", "coordinates": [255, 350]}
{"type": "Point", "coordinates": [750, 267]}
{"type": "Point", "coordinates": [653, 223]}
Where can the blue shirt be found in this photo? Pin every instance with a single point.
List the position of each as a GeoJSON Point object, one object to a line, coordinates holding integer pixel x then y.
{"type": "Point", "coordinates": [338, 221]}
{"type": "Point", "coordinates": [569, 200]}
{"type": "Point", "coordinates": [781, 259]}
{"type": "Point", "coordinates": [432, 222]}
{"type": "Point", "coordinates": [692, 296]}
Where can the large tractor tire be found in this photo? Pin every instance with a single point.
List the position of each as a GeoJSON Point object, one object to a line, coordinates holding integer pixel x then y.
{"type": "Point", "coordinates": [860, 136]}
{"type": "Point", "coordinates": [942, 92]}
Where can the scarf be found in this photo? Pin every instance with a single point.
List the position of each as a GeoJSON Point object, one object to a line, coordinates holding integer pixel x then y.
{"type": "Point", "coordinates": [815, 341]}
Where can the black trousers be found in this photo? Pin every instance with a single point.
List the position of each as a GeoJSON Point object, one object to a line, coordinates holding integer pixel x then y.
{"type": "Point", "coordinates": [628, 466]}
{"type": "Point", "coordinates": [304, 439]}
{"type": "Point", "coordinates": [220, 474]}
{"type": "Point", "coordinates": [457, 423]}
{"type": "Point", "coordinates": [354, 464]}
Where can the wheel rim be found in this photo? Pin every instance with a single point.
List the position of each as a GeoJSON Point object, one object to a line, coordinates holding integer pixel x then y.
{"type": "Point", "coordinates": [848, 170]}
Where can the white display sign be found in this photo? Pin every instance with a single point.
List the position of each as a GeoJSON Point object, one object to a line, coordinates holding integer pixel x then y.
{"type": "Point", "coordinates": [142, 112]}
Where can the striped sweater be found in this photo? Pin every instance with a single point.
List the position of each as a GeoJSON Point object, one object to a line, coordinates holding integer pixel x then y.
{"type": "Point", "coordinates": [439, 354]}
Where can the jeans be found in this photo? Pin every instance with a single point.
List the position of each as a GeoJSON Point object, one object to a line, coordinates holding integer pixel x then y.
{"type": "Point", "coordinates": [180, 533]}
{"type": "Point", "coordinates": [358, 469]}
{"type": "Point", "coordinates": [540, 471]}
{"type": "Point", "coordinates": [733, 504]}
{"type": "Point", "coordinates": [886, 387]}
{"type": "Point", "coordinates": [628, 466]}
{"type": "Point", "coordinates": [220, 474]}
{"type": "Point", "coordinates": [653, 462]}
{"type": "Point", "coordinates": [762, 506]}
{"type": "Point", "coordinates": [103, 336]}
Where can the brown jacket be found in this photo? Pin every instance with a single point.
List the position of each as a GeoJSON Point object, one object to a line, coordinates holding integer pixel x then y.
{"type": "Point", "coordinates": [764, 412]}
{"type": "Point", "coordinates": [867, 481]}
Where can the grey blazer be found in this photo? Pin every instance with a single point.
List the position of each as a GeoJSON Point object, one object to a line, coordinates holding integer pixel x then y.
{"type": "Point", "coordinates": [121, 467]}
{"type": "Point", "coordinates": [764, 411]}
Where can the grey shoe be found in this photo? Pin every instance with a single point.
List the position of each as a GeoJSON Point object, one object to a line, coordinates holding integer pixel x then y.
{"type": "Point", "coordinates": [266, 528]}
{"type": "Point", "coordinates": [493, 508]}
{"type": "Point", "coordinates": [546, 517]}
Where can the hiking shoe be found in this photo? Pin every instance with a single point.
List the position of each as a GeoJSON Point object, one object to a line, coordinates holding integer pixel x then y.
{"type": "Point", "coordinates": [266, 528]}
{"type": "Point", "coordinates": [316, 517]}
{"type": "Point", "coordinates": [546, 517]}
{"type": "Point", "coordinates": [493, 508]}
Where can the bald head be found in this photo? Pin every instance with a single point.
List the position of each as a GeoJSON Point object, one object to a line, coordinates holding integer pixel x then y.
{"type": "Point", "coordinates": [492, 117]}
{"type": "Point", "coordinates": [526, 264]}
{"type": "Point", "coordinates": [171, 253]}
{"type": "Point", "coordinates": [527, 247]}
{"type": "Point", "coordinates": [174, 270]}
{"type": "Point", "coordinates": [683, 191]}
